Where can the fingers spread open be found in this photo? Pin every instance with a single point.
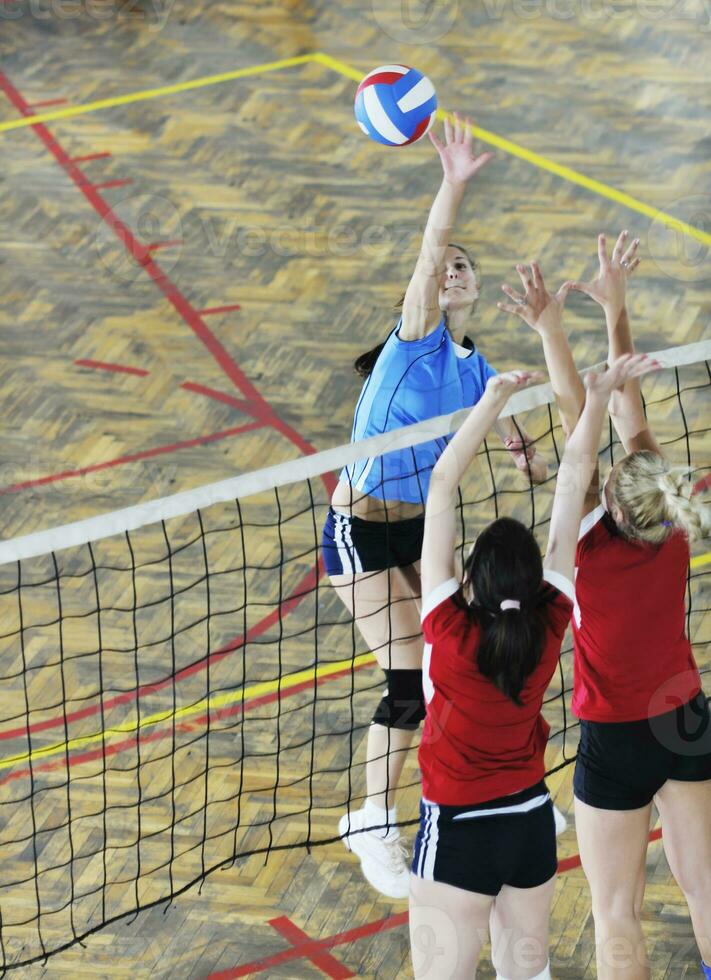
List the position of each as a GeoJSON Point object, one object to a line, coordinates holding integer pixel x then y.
{"type": "Point", "coordinates": [524, 276]}
{"type": "Point", "coordinates": [602, 252]}
{"type": "Point", "coordinates": [437, 142]}
{"type": "Point", "coordinates": [537, 276]}
{"type": "Point", "coordinates": [619, 245]}
{"type": "Point", "coordinates": [510, 308]}
{"type": "Point", "coordinates": [448, 135]}
{"type": "Point", "coordinates": [630, 253]}
{"type": "Point", "coordinates": [512, 293]}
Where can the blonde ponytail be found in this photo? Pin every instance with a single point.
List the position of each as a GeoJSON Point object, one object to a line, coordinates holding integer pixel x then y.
{"type": "Point", "coordinates": [656, 497]}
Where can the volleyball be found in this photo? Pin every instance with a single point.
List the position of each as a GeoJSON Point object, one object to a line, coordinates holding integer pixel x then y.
{"type": "Point", "coordinates": [395, 105]}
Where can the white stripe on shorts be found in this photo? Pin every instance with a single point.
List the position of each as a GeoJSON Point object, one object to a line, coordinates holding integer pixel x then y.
{"type": "Point", "coordinates": [430, 839]}
{"type": "Point", "coordinates": [345, 559]}
{"type": "Point", "coordinates": [531, 804]}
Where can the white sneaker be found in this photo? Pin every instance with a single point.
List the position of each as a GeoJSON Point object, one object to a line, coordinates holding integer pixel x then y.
{"type": "Point", "coordinates": [561, 823]}
{"type": "Point", "coordinates": [384, 863]}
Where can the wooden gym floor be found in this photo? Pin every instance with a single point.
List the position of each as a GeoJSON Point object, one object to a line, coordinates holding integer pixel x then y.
{"type": "Point", "coordinates": [190, 271]}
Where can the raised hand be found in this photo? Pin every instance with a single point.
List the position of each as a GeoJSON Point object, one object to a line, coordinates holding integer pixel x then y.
{"type": "Point", "coordinates": [502, 386]}
{"type": "Point", "coordinates": [457, 153]}
{"type": "Point", "coordinates": [537, 307]}
{"type": "Point", "coordinates": [622, 370]}
{"type": "Point", "coordinates": [609, 288]}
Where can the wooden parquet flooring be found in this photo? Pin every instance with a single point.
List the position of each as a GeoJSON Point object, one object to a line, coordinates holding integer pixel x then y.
{"type": "Point", "coordinates": [267, 242]}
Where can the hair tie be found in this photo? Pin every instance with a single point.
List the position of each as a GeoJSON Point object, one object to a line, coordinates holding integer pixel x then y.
{"type": "Point", "coordinates": [510, 604]}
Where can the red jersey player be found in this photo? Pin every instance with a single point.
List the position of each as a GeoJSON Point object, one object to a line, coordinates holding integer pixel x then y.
{"type": "Point", "coordinates": [486, 844]}
{"type": "Point", "coordinates": [645, 723]}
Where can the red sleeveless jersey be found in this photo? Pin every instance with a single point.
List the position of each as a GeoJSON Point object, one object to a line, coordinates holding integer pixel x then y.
{"type": "Point", "coordinates": [477, 745]}
{"type": "Point", "coordinates": [633, 659]}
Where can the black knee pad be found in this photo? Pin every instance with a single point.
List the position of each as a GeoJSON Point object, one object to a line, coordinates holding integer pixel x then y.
{"type": "Point", "coordinates": [403, 703]}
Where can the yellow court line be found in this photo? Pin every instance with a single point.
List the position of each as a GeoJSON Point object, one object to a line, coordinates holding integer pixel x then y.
{"type": "Point", "coordinates": [319, 57]}
{"type": "Point", "coordinates": [544, 163]}
{"type": "Point", "coordinates": [154, 93]}
{"type": "Point", "coordinates": [213, 703]}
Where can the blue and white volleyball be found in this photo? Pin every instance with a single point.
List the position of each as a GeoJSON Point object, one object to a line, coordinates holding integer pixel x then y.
{"type": "Point", "coordinates": [395, 105]}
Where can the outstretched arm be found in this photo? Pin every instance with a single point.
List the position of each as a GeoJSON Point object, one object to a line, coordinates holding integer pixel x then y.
{"type": "Point", "coordinates": [544, 313]}
{"type": "Point", "coordinates": [609, 290]}
{"type": "Point", "coordinates": [420, 311]}
{"type": "Point", "coordinates": [440, 514]}
{"type": "Point", "coordinates": [580, 460]}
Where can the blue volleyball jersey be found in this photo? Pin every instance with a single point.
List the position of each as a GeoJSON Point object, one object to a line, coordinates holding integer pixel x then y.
{"type": "Point", "coordinates": [412, 380]}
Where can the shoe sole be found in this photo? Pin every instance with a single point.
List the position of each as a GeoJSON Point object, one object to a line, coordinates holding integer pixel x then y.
{"type": "Point", "coordinates": [343, 825]}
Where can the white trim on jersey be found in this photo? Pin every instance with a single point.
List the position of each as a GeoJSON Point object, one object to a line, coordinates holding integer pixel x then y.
{"type": "Point", "coordinates": [590, 520]}
{"type": "Point", "coordinates": [462, 352]}
{"type": "Point", "coordinates": [532, 804]}
{"type": "Point", "coordinates": [586, 525]}
{"type": "Point", "coordinates": [437, 596]}
{"type": "Point", "coordinates": [560, 582]}
{"type": "Point", "coordinates": [360, 483]}
{"type": "Point", "coordinates": [428, 688]}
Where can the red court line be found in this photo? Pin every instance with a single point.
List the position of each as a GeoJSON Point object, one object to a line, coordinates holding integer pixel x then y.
{"type": "Point", "coordinates": [132, 458]}
{"type": "Point", "coordinates": [219, 396]}
{"type": "Point", "coordinates": [164, 730]}
{"type": "Point", "coordinates": [112, 183]}
{"type": "Point", "coordinates": [220, 309]}
{"type": "Point", "coordinates": [108, 366]}
{"type": "Point", "coordinates": [304, 587]}
{"type": "Point", "coordinates": [324, 961]}
{"type": "Point", "coordinates": [192, 318]}
{"type": "Point", "coordinates": [155, 246]}
{"type": "Point", "coordinates": [91, 156]}
{"type": "Point", "coordinates": [703, 484]}
{"type": "Point", "coordinates": [47, 102]}
{"type": "Point", "coordinates": [567, 864]}
{"type": "Point", "coordinates": [307, 949]}
{"type": "Point", "coordinates": [170, 290]}
{"type": "Point", "coordinates": [313, 947]}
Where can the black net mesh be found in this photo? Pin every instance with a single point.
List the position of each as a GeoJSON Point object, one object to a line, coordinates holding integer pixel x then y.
{"type": "Point", "coordinates": [193, 693]}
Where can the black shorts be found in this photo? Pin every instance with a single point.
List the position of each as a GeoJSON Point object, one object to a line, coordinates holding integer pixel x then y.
{"type": "Point", "coordinates": [621, 765]}
{"type": "Point", "coordinates": [351, 544]}
{"type": "Point", "coordinates": [483, 847]}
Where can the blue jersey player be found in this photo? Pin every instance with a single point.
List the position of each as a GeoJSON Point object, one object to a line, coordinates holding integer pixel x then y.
{"type": "Point", "coordinates": [372, 539]}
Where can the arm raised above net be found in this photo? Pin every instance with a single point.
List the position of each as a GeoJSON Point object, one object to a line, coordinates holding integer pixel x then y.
{"type": "Point", "coordinates": [420, 312]}
{"type": "Point", "coordinates": [609, 290]}
{"type": "Point", "coordinates": [580, 461]}
{"type": "Point", "coordinates": [543, 312]}
{"type": "Point", "coordinates": [440, 514]}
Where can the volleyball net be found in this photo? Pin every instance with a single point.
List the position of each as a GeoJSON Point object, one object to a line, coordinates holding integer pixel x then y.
{"type": "Point", "coordinates": [181, 688]}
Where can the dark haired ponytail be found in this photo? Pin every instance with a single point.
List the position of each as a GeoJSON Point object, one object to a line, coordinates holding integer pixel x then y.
{"type": "Point", "coordinates": [506, 564]}
{"type": "Point", "coordinates": [510, 649]}
{"type": "Point", "coordinates": [366, 362]}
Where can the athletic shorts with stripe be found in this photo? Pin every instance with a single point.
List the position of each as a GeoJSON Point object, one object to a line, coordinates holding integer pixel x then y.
{"type": "Point", "coordinates": [351, 544]}
{"type": "Point", "coordinates": [481, 848]}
